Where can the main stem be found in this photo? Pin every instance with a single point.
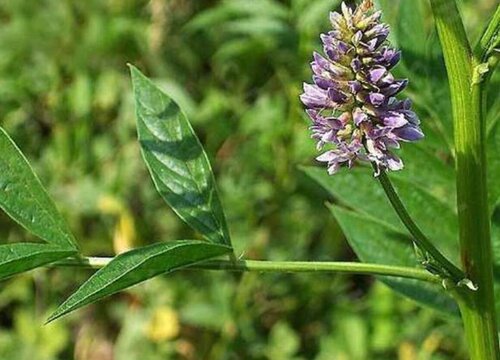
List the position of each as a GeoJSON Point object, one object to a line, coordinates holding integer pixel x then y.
{"type": "Point", "coordinates": [477, 307]}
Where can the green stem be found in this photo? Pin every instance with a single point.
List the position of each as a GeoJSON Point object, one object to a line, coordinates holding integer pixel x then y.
{"type": "Point", "coordinates": [490, 38]}
{"type": "Point", "coordinates": [279, 266]}
{"type": "Point", "coordinates": [477, 307]}
{"type": "Point", "coordinates": [418, 236]}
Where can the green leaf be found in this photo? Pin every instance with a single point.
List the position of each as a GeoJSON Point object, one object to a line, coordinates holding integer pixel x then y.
{"type": "Point", "coordinates": [176, 160]}
{"type": "Point", "coordinates": [411, 29]}
{"type": "Point", "coordinates": [413, 33]}
{"type": "Point", "coordinates": [256, 26]}
{"type": "Point", "coordinates": [24, 199]}
{"type": "Point", "coordinates": [233, 9]}
{"type": "Point", "coordinates": [390, 11]}
{"type": "Point", "coordinates": [269, 8]}
{"type": "Point", "coordinates": [376, 242]}
{"type": "Point", "coordinates": [495, 239]}
{"type": "Point", "coordinates": [138, 265]}
{"type": "Point", "coordinates": [359, 190]}
{"type": "Point", "coordinates": [424, 169]}
{"type": "Point", "coordinates": [311, 14]}
{"type": "Point", "coordinates": [17, 258]}
{"type": "Point", "coordinates": [375, 232]}
{"type": "Point", "coordinates": [494, 167]}
{"type": "Point", "coordinates": [283, 342]}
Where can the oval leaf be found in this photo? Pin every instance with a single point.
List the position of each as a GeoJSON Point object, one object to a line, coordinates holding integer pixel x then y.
{"type": "Point", "coordinates": [137, 265]}
{"type": "Point", "coordinates": [24, 199]}
{"type": "Point", "coordinates": [17, 258]}
{"type": "Point", "coordinates": [176, 160]}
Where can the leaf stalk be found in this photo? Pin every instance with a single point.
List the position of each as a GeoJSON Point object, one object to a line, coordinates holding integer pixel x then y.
{"type": "Point", "coordinates": [279, 266]}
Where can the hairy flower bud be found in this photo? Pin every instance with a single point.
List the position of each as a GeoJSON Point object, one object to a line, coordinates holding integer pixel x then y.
{"type": "Point", "coordinates": [352, 103]}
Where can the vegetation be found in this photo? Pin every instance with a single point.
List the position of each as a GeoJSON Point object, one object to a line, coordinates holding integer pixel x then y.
{"type": "Point", "coordinates": [236, 68]}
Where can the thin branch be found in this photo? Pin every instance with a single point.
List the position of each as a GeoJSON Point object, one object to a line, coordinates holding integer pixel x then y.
{"type": "Point", "coordinates": [490, 38]}
{"type": "Point", "coordinates": [279, 266]}
{"type": "Point", "coordinates": [420, 239]}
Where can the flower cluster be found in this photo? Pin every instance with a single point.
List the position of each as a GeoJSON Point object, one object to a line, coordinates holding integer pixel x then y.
{"type": "Point", "coordinates": [352, 103]}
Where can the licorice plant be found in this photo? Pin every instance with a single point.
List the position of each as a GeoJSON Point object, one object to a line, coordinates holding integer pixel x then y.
{"type": "Point", "coordinates": [359, 120]}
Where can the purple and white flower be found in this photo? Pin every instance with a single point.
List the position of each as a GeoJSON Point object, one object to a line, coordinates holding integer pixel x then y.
{"type": "Point", "coordinates": [352, 102]}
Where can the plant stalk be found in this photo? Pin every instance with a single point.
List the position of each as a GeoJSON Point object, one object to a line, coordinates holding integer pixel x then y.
{"type": "Point", "coordinates": [419, 238]}
{"type": "Point", "coordinates": [477, 307]}
{"type": "Point", "coordinates": [279, 266]}
{"type": "Point", "coordinates": [490, 38]}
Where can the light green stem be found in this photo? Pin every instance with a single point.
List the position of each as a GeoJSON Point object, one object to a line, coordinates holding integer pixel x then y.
{"type": "Point", "coordinates": [279, 266]}
{"type": "Point", "coordinates": [477, 307]}
{"type": "Point", "coordinates": [420, 239]}
{"type": "Point", "coordinates": [490, 38]}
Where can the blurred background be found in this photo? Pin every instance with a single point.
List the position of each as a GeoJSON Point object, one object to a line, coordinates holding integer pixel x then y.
{"type": "Point", "coordinates": [236, 67]}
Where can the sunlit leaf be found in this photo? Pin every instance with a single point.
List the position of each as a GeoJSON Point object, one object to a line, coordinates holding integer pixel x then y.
{"type": "Point", "coordinates": [177, 161]}
{"type": "Point", "coordinates": [138, 265]}
{"type": "Point", "coordinates": [24, 199]}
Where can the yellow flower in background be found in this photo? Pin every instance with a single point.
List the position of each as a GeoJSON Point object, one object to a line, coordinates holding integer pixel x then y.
{"type": "Point", "coordinates": [164, 325]}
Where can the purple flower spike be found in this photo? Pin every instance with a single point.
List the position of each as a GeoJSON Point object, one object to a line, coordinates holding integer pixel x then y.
{"type": "Point", "coordinates": [352, 102]}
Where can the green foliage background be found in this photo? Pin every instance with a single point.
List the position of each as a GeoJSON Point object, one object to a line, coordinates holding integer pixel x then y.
{"type": "Point", "coordinates": [236, 67]}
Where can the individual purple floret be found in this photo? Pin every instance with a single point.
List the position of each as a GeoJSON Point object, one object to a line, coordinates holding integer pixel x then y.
{"type": "Point", "coordinates": [352, 103]}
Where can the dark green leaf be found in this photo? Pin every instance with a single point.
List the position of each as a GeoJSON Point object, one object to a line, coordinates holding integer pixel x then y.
{"type": "Point", "coordinates": [17, 258]}
{"type": "Point", "coordinates": [256, 26]}
{"type": "Point", "coordinates": [24, 199]}
{"type": "Point", "coordinates": [310, 14]}
{"type": "Point", "coordinates": [233, 9]}
{"type": "Point", "coordinates": [138, 265]}
{"type": "Point", "coordinates": [359, 190]}
{"type": "Point", "coordinates": [492, 113]}
{"type": "Point", "coordinates": [493, 152]}
{"type": "Point", "coordinates": [495, 239]}
{"type": "Point", "coordinates": [411, 29]}
{"type": "Point", "coordinates": [176, 160]}
{"type": "Point", "coordinates": [376, 242]}
{"type": "Point", "coordinates": [422, 64]}
{"type": "Point", "coordinates": [390, 9]}
{"type": "Point", "coordinates": [268, 8]}
{"type": "Point", "coordinates": [424, 169]}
